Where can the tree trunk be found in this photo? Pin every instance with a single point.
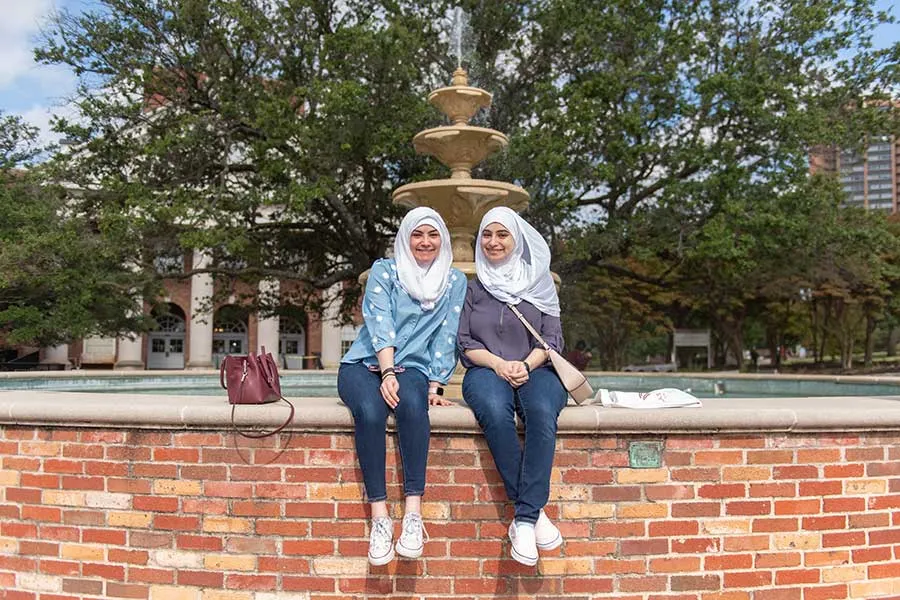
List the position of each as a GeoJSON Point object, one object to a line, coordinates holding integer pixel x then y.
{"type": "Point", "coordinates": [870, 340]}
{"type": "Point", "coordinates": [893, 336]}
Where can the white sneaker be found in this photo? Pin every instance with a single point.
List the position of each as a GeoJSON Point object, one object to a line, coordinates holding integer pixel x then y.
{"type": "Point", "coordinates": [524, 548]}
{"type": "Point", "coordinates": [381, 538]}
{"type": "Point", "coordinates": [546, 534]}
{"type": "Point", "coordinates": [412, 537]}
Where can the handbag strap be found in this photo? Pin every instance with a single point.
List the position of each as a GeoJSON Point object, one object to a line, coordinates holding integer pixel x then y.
{"type": "Point", "coordinates": [257, 436]}
{"type": "Point", "coordinates": [529, 327]}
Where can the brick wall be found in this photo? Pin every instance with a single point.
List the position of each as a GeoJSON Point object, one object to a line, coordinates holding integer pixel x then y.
{"type": "Point", "coordinates": [199, 516]}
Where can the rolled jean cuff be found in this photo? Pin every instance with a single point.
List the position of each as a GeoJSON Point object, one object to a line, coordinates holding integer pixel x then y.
{"type": "Point", "coordinates": [379, 499]}
{"type": "Point", "coordinates": [407, 493]}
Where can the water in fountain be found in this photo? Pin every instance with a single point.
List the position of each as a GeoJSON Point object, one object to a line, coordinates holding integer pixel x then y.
{"type": "Point", "coordinates": [459, 32]}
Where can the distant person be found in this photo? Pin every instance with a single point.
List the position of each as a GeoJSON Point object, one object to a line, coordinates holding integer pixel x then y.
{"type": "Point", "coordinates": [404, 354]}
{"type": "Point", "coordinates": [580, 356]}
{"type": "Point", "coordinates": [507, 372]}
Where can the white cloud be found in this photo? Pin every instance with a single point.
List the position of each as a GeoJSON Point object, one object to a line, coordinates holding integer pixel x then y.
{"type": "Point", "coordinates": [26, 88]}
{"type": "Point", "coordinates": [21, 20]}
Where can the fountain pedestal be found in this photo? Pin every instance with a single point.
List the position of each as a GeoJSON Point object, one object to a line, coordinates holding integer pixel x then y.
{"type": "Point", "coordinates": [461, 200]}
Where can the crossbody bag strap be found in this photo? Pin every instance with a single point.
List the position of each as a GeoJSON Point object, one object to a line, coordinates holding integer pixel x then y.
{"type": "Point", "coordinates": [529, 327]}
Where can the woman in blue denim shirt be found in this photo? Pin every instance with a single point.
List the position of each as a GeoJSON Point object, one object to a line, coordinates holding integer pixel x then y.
{"type": "Point", "coordinates": [404, 354]}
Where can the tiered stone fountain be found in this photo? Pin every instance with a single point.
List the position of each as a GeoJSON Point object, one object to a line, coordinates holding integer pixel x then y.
{"type": "Point", "coordinates": [461, 200]}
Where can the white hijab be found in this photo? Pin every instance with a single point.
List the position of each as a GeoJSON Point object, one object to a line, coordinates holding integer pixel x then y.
{"type": "Point", "coordinates": [525, 274]}
{"type": "Point", "coordinates": [425, 284]}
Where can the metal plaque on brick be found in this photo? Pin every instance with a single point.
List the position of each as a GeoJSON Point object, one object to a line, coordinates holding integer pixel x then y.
{"type": "Point", "coordinates": [644, 455]}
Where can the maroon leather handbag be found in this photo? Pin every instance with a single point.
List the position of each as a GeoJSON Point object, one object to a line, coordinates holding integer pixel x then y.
{"type": "Point", "coordinates": [252, 379]}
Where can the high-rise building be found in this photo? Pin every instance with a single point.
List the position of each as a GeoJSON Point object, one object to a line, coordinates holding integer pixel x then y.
{"type": "Point", "coordinates": [869, 177]}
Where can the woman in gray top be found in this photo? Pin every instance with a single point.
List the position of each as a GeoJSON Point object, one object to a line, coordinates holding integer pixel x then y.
{"type": "Point", "coordinates": [508, 372]}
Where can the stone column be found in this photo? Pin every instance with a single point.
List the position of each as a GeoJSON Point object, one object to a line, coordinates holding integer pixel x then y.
{"type": "Point", "coordinates": [128, 348]}
{"type": "Point", "coordinates": [331, 331]}
{"type": "Point", "coordinates": [57, 355]}
{"type": "Point", "coordinates": [267, 329]}
{"type": "Point", "coordinates": [201, 317]}
{"type": "Point", "coordinates": [128, 353]}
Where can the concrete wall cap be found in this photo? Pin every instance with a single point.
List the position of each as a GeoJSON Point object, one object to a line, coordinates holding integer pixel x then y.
{"type": "Point", "coordinates": [140, 411]}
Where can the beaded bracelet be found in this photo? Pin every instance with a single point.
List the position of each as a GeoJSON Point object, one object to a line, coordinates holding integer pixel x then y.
{"type": "Point", "coordinates": [387, 373]}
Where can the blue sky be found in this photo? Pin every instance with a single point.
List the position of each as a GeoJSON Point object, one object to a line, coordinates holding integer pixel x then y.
{"type": "Point", "coordinates": [34, 91]}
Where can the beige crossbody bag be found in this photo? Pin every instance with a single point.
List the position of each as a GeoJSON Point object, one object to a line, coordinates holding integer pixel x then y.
{"type": "Point", "coordinates": [572, 379]}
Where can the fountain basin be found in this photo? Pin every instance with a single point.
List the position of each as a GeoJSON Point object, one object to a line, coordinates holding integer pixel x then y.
{"type": "Point", "coordinates": [460, 147]}
{"type": "Point", "coordinates": [460, 102]}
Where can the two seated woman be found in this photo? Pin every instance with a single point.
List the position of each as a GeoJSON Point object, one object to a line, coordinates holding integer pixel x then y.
{"type": "Point", "coordinates": [417, 311]}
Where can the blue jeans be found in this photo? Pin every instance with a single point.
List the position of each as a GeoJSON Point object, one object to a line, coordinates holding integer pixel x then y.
{"type": "Point", "coordinates": [358, 388]}
{"type": "Point", "coordinates": [525, 470]}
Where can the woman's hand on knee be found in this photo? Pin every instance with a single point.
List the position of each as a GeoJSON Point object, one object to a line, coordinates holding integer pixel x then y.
{"type": "Point", "coordinates": [390, 391]}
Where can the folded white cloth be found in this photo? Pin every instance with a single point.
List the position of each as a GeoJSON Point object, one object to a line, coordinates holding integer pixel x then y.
{"type": "Point", "coordinates": [661, 398]}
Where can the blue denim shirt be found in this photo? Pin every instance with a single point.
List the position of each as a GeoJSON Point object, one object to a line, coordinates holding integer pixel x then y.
{"type": "Point", "coordinates": [422, 340]}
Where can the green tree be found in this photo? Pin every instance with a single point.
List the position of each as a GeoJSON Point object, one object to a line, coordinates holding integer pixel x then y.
{"type": "Point", "coordinates": [60, 277]}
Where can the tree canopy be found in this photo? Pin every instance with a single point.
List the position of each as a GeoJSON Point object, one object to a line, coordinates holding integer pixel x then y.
{"type": "Point", "coordinates": [274, 132]}
{"type": "Point", "coordinates": [59, 278]}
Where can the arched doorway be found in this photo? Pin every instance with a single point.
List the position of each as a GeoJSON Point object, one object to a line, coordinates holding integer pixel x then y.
{"type": "Point", "coordinates": [165, 345]}
{"type": "Point", "coordinates": [291, 342]}
{"type": "Point", "coordinates": [229, 333]}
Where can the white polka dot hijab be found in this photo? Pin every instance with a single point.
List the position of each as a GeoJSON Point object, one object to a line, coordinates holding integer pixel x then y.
{"type": "Point", "coordinates": [525, 274]}
{"type": "Point", "coordinates": [425, 284]}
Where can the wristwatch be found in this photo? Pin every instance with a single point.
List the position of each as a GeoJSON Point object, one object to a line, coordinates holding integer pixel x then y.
{"type": "Point", "coordinates": [438, 390]}
{"type": "Point", "coordinates": [527, 366]}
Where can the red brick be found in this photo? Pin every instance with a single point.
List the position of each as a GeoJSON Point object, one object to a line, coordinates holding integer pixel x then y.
{"type": "Point", "coordinates": [201, 578]}
{"type": "Point", "coordinates": [843, 505]}
{"type": "Point", "coordinates": [797, 576]}
{"type": "Point", "coordinates": [696, 509]}
{"type": "Point", "coordinates": [642, 547]}
{"type": "Point", "coordinates": [876, 554]}
{"type": "Point", "coordinates": [851, 538]}
{"type": "Point", "coordinates": [250, 582]}
{"type": "Point", "coordinates": [773, 490]}
{"type": "Point", "coordinates": [822, 523]}
{"type": "Point", "coordinates": [685, 583]}
{"type": "Point", "coordinates": [308, 547]}
{"type": "Point", "coordinates": [864, 454]}
{"type": "Point", "coordinates": [150, 539]}
{"type": "Point", "coordinates": [31, 548]}
{"type": "Point", "coordinates": [727, 562]}
{"type": "Point", "coordinates": [809, 506]}
{"type": "Point", "coordinates": [103, 536]}
{"type": "Point", "coordinates": [124, 590]}
{"type": "Point", "coordinates": [831, 592]}
{"type": "Point", "coordinates": [755, 507]}
{"type": "Point", "coordinates": [795, 472]}
{"type": "Point", "coordinates": [673, 528]}
{"type": "Point", "coordinates": [93, 587]}
{"type": "Point", "coordinates": [773, 560]}
{"type": "Point", "coordinates": [844, 471]}
{"type": "Point", "coordinates": [647, 583]}
{"type": "Point", "coordinates": [884, 571]}
{"type": "Point", "coordinates": [616, 493]}
{"type": "Point", "coordinates": [149, 575]}
{"type": "Point", "coordinates": [155, 503]}
{"type": "Point", "coordinates": [821, 488]}
{"type": "Point", "coordinates": [176, 522]}
{"type": "Point", "coordinates": [699, 545]}
{"type": "Point", "coordinates": [745, 579]}
{"type": "Point", "coordinates": [114, 572]}
{"type": "Point", "coordinates": [23, 495]}
{"type": "Point", "coordinates": [723, 490]}
{"type": "Point", "coordinates": [70, 482]}
{"type": "Point", "coordinates": [770, 457]}
{"type": "Point", "coordinates": [773, 525]}
{"type": "Point", "coordinates": [695, 474]}
{"type": "Point", "coordinates": [56, 465]}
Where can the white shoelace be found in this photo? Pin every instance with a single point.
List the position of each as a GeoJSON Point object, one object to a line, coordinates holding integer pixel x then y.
{"type": "Point", "coordinates": [381, 537]}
